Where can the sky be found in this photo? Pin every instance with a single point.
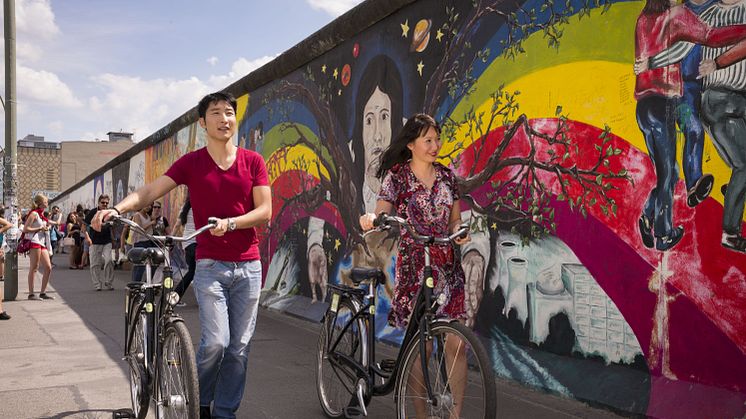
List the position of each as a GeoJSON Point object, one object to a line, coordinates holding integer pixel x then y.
{"type": "Point", "coordinates": [85, 68]}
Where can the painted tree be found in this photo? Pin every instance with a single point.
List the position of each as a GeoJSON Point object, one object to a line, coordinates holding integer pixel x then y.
{"type": "Point", "coordinates": [521, 201]}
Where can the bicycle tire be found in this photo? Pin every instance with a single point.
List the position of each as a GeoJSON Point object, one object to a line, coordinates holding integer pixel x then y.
{"type": "Point", "coordinates": [479, 392]}
{"type": "Point", "coordinates": [177, 374]}
{"type": "Point", "coordinates": [334, 384]}
{"type": "Point", "coordinates": [139, 376]}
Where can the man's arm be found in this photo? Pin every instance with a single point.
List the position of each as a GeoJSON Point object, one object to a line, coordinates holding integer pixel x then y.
{"type": "Point", "coordinates": [136, 200]}
{"type": "Point", "coordinates": [260, 215]}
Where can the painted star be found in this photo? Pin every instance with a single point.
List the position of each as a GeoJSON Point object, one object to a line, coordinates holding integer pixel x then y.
{"type": "Point", "coordinates": [323, 68]}
{"type": "Point", "coordinates": [494, 226]}
{"type": "Point", "coordinates": [439, 35]}
{"type": "Point", "coordinates": [336, 74]}
{"type": "Point", "coordinates": [405, 28]}
{"type": "Point", "coordinates": [337, 243]}
{"type": "Point", "coordinates": [420, 66]}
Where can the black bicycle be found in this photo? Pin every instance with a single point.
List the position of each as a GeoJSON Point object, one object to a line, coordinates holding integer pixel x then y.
{"type": "Point", "coordinates": [442, 369]}
{"type": "Point", "coordinates": [158, 347]}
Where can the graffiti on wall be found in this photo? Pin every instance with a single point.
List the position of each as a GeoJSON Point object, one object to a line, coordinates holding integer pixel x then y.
{"type": "Point", "coordinates": [601, 256]}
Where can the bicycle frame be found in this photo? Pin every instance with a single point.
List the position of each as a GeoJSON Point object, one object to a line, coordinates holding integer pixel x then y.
{"type": "Point", "coordinates": [141, 297]}
{"type": "Point", "coordinates": [422, 316]}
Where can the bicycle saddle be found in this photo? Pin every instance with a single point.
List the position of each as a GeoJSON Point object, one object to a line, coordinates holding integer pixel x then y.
{"type": "Point", "coordinates": [375, 275]}
{"type": "Point", "coordinates": [141, 255]}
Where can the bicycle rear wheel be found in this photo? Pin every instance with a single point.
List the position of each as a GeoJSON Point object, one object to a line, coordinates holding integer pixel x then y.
{"type": "Point", "coordinates": [459, 372]}
{"type": "Point", "coordinates": [177, 374]}
{"type": "Point", "coordinates": [335, 383]}
{"type": "Point", "coordinates": [136, 358]}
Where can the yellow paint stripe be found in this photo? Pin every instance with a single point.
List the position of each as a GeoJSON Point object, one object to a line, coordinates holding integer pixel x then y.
{"type": "Point", "coordinates": [596, 93]}
{"type": "Point", "coordinates": [298, 157]}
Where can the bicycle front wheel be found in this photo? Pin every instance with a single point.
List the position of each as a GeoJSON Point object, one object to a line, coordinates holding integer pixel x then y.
{"type": "Point", "coordinates": [335, 383]}
{"type": "Point", "coordinates": [177, 374]}
{"type": "Point", "coordinates": [136, 356]}
{"type": "Point", "coordinates": [459, 374]}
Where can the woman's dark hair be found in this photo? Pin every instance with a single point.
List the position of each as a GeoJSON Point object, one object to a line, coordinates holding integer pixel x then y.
{"type": "Point", "coordinates": [397, 152]}
{"type": "Point", "coordinates": [656, 6]}
{"type": "Point", "coordinates": [185, 210]}
{"type": "Point", "coordinates": [206, 101]}
{"type": "Point", "coordinates": [69, 218]}
{"type": "Point", "coordinates": [381, 72]}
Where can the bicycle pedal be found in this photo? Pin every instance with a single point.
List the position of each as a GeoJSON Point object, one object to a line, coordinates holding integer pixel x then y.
{"type": "Point", "coordinates": [353, 412]}
{"type": "Point", "coordinates": [387, 365]}
{"type": "Point", "coordinates": [123, 414]}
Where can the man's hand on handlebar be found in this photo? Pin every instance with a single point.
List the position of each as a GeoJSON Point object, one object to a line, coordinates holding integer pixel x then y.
{"type": "Point", "coordinates": [101, 217]}
{"type": "Point", "coordinates": [221, 228]}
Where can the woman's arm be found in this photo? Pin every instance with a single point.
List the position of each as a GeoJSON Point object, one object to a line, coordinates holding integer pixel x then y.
{"type": "Point", "coordinates": [5, 225]}
{"type": "Point", "coordinates": [29, 220]}
{"type": "Point", "coordinates": [455, 222]}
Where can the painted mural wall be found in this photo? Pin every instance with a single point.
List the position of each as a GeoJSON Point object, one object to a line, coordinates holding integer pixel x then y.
{"type": "Point", "coordinates": [598, 164]}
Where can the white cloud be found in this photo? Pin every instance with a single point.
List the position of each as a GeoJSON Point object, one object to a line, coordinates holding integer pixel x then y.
{"type": "Point", "coordinates": [134, 104]}
{"type": "Point", "coordinates": [35, 17]}
{"type": "Point", "coordinates": [239, 68]}
{"type": "Point", "coordinates": [43, 87]}
{"type": "Point", "coordinates": [333, 7]}
{"type": "Point", "coordinates": [144, 106]}
{"type": "Point", "coordinates": [213, 61]}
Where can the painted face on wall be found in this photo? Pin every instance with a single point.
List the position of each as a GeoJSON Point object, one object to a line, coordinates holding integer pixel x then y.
{"type": "Point", "coordinates": [376, 134]}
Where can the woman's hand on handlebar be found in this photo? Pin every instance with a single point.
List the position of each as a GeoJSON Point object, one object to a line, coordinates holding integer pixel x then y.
{"type": "Point", "coordinates": [462, 240]}
{"type": "Point", "coordinates": [366, 221]}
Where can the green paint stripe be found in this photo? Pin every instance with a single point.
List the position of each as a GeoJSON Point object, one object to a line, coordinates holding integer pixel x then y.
{"type": "Point", "coordinates": [606, 36]}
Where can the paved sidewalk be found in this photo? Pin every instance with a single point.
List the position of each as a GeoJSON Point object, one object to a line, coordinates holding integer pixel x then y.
{"type": "Point", "coordinates": [62, 359]}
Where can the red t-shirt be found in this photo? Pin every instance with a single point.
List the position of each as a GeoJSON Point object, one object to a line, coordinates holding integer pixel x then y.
{"type": "Point", "coordinates": [215, 192]}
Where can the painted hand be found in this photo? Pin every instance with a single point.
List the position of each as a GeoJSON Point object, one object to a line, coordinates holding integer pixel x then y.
{"type": "Point", "coordinates": [706, 67]}
{"type": "Point", "coordinates": [473, 264]}
{"type": "Point", "coordinates": [641, 65]}
{"type": "Point", "coordinates": [317, 270]}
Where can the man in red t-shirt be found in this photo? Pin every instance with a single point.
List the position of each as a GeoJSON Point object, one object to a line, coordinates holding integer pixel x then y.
{"type": "Point", "coordinates": [230, 183]}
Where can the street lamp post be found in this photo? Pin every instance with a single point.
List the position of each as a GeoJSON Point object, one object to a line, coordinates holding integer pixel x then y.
{"type": "Point", "coordinates": [10, 179]}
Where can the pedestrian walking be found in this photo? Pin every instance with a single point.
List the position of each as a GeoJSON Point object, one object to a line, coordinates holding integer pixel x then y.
{"type": "Point", "coordinates": [36, 228]}
{"type": "Point", "coordinates": [228, 274]}
{"type": "Point", "coordinates": [102, 265]}
{"type": "Point", "coordinates": [144, 220]}
{"type": "Point", "coordinates": [186, 219]}
{"type": "Point", "coordinates": [5, 225]}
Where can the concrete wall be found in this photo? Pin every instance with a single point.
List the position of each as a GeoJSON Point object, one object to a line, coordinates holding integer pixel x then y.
{"type": "Point", "coordinates": [81, 158]}
{"type": "Point", "coordinates": [539, 114]}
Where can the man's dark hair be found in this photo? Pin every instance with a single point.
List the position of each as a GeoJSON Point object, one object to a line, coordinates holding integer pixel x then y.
{"type": "Point", "coordinates": [103, 196]}
{"type": "Point", "coordinates": [214, 98]}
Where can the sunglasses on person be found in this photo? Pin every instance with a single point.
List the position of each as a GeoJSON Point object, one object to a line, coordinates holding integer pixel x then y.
{"type": "Point", "coordinates": [156, 207]}
{"type": "Point", "coordinates": [103, 203]}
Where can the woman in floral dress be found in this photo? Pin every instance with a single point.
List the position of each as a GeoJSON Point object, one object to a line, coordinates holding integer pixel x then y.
{"type": "Point", "coordinates": [426, 194]}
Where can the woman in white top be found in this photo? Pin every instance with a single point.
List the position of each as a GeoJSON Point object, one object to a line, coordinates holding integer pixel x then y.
{"type": "Point", "coordinates": [36, 229]}
{"type": "Point", "coordinates": [144, 220]}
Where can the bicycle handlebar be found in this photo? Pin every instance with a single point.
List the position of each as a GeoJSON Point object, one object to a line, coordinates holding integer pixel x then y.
{"type": "Point", "coordinates": [212, 222]}
{"type": "Point", "coordinates": [385, 220]}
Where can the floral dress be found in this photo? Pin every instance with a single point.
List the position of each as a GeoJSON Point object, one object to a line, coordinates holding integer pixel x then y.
{"type": "Point", "coordinates": [428, 211]}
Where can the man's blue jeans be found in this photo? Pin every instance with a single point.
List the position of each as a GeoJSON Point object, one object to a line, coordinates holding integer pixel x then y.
{"type": "Point", "coordinates": [228, 298]}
